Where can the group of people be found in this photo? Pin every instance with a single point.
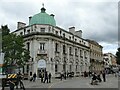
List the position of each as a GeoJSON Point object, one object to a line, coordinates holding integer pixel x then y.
{"type": "Point", "coordinates": [44, 76]}
{"type": "Point", "coordinates": [96, 77]}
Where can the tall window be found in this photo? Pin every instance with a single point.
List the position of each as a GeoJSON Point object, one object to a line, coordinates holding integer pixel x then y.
{"type": "Point", "coordinates": [63, 49]}
{"type": "Point", "coordinates": [28, 31]}
{"type": "Point", "coordinates": [64, 35]}
{"type": "Point", "coordinates": [42, 29]}
{"type": "Point", "coordinates": [42, 46]}
{"type": "Point", "coordinates": [21, 33]}
{"type": "Point", "coordinates": [28, 46]}
{"type": "Point", "coordinates": [76, 51]}
{"type": "Point", "coordinates": [80, 52]}
{"type": "Point", "coordinates": [56, 32]}
{"type": "Point", "coordinates": [56, 47]}
{"type": "Point", "coordinates": [56, 68]}
{"type": "Point", "coordinates": [76, 68]}
{"type": "Point", "coordinates": [70, 50]}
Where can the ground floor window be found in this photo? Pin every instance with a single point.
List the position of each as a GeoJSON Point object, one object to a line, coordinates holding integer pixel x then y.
{"type": "Point", "coordinates": [56, 68]}
{"type": "Point", "coordinates": [70, 68]}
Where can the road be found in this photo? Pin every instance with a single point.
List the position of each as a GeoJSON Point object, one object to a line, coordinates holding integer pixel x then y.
{"type": "Point", "coordinates": [76, 82]}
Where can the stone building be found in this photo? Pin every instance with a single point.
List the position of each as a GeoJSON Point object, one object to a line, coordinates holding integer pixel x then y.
{"type": "Point", "coordinates": [96, 56]}
{"type": "Point", "coordinates": [52, 48]}
{"type": "Point", "coordinates": [110, 61]}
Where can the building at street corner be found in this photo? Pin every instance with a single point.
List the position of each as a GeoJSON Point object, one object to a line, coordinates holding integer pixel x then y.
{"type": "Point", "coordinates": [96, 56]}
{"type": "Point", "coordinates": [110, 62]}
{"type": "Point", "coordinates": [52, 48]}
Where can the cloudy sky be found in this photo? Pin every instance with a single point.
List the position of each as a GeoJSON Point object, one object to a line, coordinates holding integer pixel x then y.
{"type": "Point", "coordinates": [98, 19]}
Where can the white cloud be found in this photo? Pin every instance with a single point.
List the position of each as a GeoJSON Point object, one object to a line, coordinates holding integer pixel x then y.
{"type": "Point", "coordinates": [97, 18]}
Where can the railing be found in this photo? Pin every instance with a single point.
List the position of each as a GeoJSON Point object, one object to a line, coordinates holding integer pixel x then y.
{"type": "Point", "coordinates": [41, 52]}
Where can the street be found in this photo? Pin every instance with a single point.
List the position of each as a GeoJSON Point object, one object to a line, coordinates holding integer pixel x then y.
{"type": "Point", "coordinates": [75, 82]}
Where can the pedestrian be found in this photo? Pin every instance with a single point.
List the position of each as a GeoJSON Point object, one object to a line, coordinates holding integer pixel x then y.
{"type": "Point", "coordinates": [11, 84]}
{"type": "Point", "coordinates": [42, 76]}
{"type": "Point", "coordinates": [49, 77]}
{"type": "Point", "coordinates": [34, 77]}
{"type": "Point", "coordinates": [19, 80]}
{"type": "Point", "coordinates": [61, 75]}
{"type": "Point", "coordinates": [99, 77]}
{"type": "Point", "coordinates": [85, 74]}
{"type": "Point", "coordinates": [94, 79]}
{"type": "Point", "coordinates": [104, 76]}
{"type": "Point", "coordinates": [65, 75]}
{"type": "Point", "coordinates": [46, 77]}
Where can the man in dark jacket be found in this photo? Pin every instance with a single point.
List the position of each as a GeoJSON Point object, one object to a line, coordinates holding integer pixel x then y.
{"type": "Point", "coordinates": [49, 77]}
{"type": "Point", "coordinates": [34, 77]}
{"type": "Point", "coordinates": [11, 84]}
{"type": "Point", "coordinates": [46, 77]}
{"type": "Point", "coordinates": [104, 76]}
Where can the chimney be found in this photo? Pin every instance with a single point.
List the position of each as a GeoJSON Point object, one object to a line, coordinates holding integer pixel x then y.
{"type": "Point", "coordinates": [20, 25]}
{"type": "Point", "coordinates": [52, 15]}
{"type": "Point", "coordinates": [30, 19]}
{"type": "Point", "coordinates": [79, 33]}
{"type": "Point", "coordinates": [72, 30]}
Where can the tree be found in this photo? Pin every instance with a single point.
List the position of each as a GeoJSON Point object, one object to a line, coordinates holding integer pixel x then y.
{"type": "Point", "coordinates": [118, 56]}
{"type": "Point", "coordinates": [13, 47]}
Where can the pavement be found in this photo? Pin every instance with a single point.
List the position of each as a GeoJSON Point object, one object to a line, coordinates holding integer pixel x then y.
{"type": "Point", "coordinates": [75, 82]}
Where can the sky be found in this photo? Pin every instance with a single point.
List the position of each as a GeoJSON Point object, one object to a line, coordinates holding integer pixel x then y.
{"type": "Point", "coordinates": [98, 19]}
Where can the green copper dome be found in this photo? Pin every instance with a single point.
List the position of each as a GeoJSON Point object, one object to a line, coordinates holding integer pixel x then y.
{"type": "Point", "coordinates": [43, 18]}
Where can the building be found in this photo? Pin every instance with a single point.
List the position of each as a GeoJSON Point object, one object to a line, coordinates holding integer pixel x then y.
{"type": "Point", "coordinates": [110, 61]}
{"type": "Point", "coordinates": [52, 48]}
{"type": "Point", "coordinates": [96, 56]}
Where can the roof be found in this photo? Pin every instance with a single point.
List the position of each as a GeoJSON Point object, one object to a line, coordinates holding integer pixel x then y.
{"type": "Point", "coordinates": [43, 18]}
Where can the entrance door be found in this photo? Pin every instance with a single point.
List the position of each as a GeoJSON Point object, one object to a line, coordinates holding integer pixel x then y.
{"type": "Point", "coordinates": [41, 71]}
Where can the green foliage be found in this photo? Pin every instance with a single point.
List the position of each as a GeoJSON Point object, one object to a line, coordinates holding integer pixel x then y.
{"type": "Point", "coordinates": [5, 30]}
{"type": "Point", "coordinates": [13, 47]}
{"type": "Point", "coordinates": [118, 56]}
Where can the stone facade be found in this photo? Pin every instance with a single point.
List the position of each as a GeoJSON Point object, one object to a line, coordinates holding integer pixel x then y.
{"type": "Point", "coordinates": [96, 56]}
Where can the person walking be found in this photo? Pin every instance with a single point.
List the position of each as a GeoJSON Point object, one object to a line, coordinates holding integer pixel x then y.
{"type": "Point", "coordinates": [65, 75]}
{"type": "Point", "coordinates": [61, 75]}
{"type": "Point", "coordinates": [49, 77]}
{"type": "Point", "coordinates": [104, 76]}
{"type": "Point", "coordinates": [42, 76]}
{"type": "Point", "coordinates": [34, 77]}
{"type": "Point", "coordinates": [19, 81]}
{"type": "Point", "coordinates": [11, 84]}
{"type": "Point", "coordinates": [46, 77]}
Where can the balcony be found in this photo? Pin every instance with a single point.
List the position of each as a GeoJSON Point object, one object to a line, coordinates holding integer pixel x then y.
{"type": "Point", "coordinates": [42, 52]}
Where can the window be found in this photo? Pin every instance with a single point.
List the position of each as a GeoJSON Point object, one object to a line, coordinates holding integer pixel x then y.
{"type": "Point", "coordinates": [70, 37]}
{"type": "Point", "coordinates": [70, 50]}
{"type": "Point", "coordinates": [75, 40]}
{"type": "Point", "coordinates": [28, 46]}
{"type": "Point", "coordinates": [42, 46]}
{"type": "Point", "coordinates": [56, 32]}
{"type": "Point", "coordinates": [42, 29]}
{"type": "Point", "coordinates": [64, 35]}
{"type": "Point", "coordinates": [76, 51]}
{"type": "Point", "coordinates": [28, 31]}
{"type": "Point", "coordinates": [56, 68]}
{"type": "Point", "coordinates": [63, 49]}
{"type": "Point", "coordinates": [21, 33]}
{"type": "Point", "coordinates": [76, 68]}
{"type": "Point", "coordinates": [80, 52]}
{"type": "Point", "coordinates": [56, 47]}
{"type": "Point", "coordinates": [27, 68]}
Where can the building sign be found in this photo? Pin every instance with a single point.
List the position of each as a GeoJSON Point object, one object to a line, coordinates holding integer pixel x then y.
{"type": "Point", "coordinates": [41, 63]}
